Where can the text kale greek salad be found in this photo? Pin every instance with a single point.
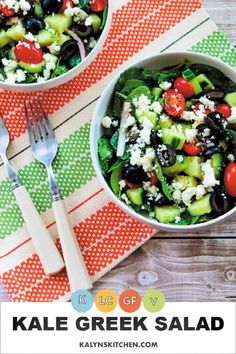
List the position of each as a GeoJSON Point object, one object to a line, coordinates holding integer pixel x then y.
{"type": "Point", "coordinates": [43, 39]}
{"type": "Point", "coordinates": [168, 148]}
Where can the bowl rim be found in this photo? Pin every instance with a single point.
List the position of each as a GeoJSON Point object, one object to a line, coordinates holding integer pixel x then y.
{"type": "Point", "coordinates": [93, 143]}
{"type": "Point", "coordinates": [56, 81]}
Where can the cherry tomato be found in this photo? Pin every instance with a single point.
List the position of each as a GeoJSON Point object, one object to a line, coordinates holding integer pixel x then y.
{"type": "Point", "coordinates": [66, 4]}
{"type": "Point", "coordinates": [224, 109]}
{"type": "Point", "coordinates": [192, 149]}
{"type": "Point", "coordinates": [98, 5]}
{"type": "Point", "coordinates": [7, 12]}
{"type": "Point", "coordinates": [184, 87]}
{"type": "Point", "coordinates": [174, 103]}
{"type": "Point", "coordinates": [27, 52]}
{"type": "Point", "coordinates": [132, 185]}
{"type": "Point", "coordinates": [153, 178]}
{"type": "Point", "coordinates": [196, 108]}
{"type": "Point", "coordinates": [230, 179]}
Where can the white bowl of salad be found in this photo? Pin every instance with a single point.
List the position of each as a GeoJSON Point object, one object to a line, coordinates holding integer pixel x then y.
{"type": "Point", "coordinates": [44, 43]}
{"type": "Point", "coordinates": [163, 141]}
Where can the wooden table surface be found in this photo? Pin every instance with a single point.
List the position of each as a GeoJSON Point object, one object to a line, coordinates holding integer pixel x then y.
{"type": "Point", "coordinates": [196, 266]}
{"type": "Point", "coordinates": [193, 267]}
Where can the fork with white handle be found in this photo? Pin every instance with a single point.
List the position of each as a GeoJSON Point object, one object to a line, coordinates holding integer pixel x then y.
{"type": "Point", "coordinates": [44, 147]}
{"type": "Point", "coordinates": [47, 251]}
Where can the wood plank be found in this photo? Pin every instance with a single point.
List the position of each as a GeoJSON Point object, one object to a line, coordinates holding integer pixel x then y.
{"type": "Point", "coordinates": [185, 270]}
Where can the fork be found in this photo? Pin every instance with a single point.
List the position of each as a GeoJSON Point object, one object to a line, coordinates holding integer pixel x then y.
{"type": "Point", "coordinates": [44, 148]}
{"type": "Point", "coordinates": [45, 248]}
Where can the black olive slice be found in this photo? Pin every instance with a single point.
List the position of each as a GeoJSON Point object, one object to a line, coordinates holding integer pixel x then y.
{"type": "Point", "coordinates": [68, 50]}
{"type": "Point", "coordinates": [50, 6]}
{"type": "Point", "coordinates": [208, 152]}
{"type": "Point", "coordinates": [216, 121]}
{"type": "Point", "coordinates": [134, 174]}
{"type": "Point", "coordinates": [216, 94]}
{"type": "Point", "coordinates": [220, 203]}
{"type": "Point", "coordinates": [83, 31]}
{"type": "Point", "coordinates": [165, 155]}
{"type": "Point", "coordinates": [33, 24]}
{"type": "Point", "coordinates": [155, 139]}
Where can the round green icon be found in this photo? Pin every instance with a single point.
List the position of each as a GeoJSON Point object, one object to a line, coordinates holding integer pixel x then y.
{"type": "Point", "coordinates": [153, 300]}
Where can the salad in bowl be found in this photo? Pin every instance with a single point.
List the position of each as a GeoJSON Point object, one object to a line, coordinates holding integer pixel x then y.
{"type": "Point", "coordinates": [167, 143]}
{"type": "Point", "coordinates": [41, 40]}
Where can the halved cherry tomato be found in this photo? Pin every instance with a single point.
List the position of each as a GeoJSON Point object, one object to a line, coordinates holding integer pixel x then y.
{"type": "Point", "coordinates": [98, 5]}
{"type": "Point", "coordinates": [230, 179]}
{"type": "Point", "coordinates": [132, 185]}
{"type": "Point", "coordinates": [196, 108]}
{"type": "Point", "coordinates": [174, 103]}
{"type": "Point", "coordinates": [6, 11]}
{"type": "Point", "coordinates": [27, 52]}
{"type": "Point", "coordinates": [153, 178]}
{"type": "Point", "coordinates": [66, 4]}
{"type": "Point", "coordinates": [184, 87]}
{"type": "Point", "coordinates": [192, 149]}
{"type": "Point", "coordinates": [224, 109]}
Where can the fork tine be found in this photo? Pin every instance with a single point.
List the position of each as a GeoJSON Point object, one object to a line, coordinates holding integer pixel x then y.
{"type": "Point", "coordinates": [46, 120]}
{"type": "Point", "coordinates": [41, 122]}
{"type": "Point", "coordinates": [28, 125]}
{"type": "Point", "coordinates": [35, 123]}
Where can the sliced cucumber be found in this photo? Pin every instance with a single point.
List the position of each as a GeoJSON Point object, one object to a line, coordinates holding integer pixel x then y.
{"type": "Point", "coordinates": [173, 137]}
{"type": "Point", "coordinates": [135, 196]}
{"type": "Point", "coordinates": [167, 214]}
{"type": "Point", "coordinates": [116, 177]}
{"type": "Point", "coordinates": [4, 38]}
{"type": "Point", "coordinates": [16, 32]}
{"type": "Point", "coordinates": [165, 121]}
{"type": "Point", "coordinates": [193, 168]}
{"type": "Point", "coordinates": [186, 181]}
{"type": "Point", "coordinates": [178, 167]}
{"type": "Point", "coordinates": [151, 116]}
{"type": "Point", "coordinates": [216, 163]}
{"type": "Point", "coordinates": [96, 22]}
{"type": "Point", "coordinates": [38, 11]}
{"type": "Point", "coordinates": [201, 207]}
{"type": "Point", "coordinates": [58, 22]}
{"type": "Point", "coordinates": [188, 74]}
{"type": "Point", "coordinates": [62, 38]}
{"type": "Point", "coordinates": [230, 98]}
{"type": "Point", "coordinates": [32, 68]}
{"type": "Point", "coordinates": [196, 86]}
{"type": "Point", "coordinates": [157, 91]}
{"type": "Point", "coordinates": [205, 83]}
{"type": "Point", "coordinates": [45, 38]}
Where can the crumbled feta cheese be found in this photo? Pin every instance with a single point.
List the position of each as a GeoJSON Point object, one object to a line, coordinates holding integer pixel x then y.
{"type": "Point", "coordinates": [115, 123]}
{"type": "Point", "coordinates": [9, 64]}
{"type": "Point", "coordinates": [128, 122]}
{"type": "Point", "coordinates": [146, 131]}
{"type": "Point", "coordinates": [92, 42]}
{"type": "Point", "coordinates": [209, 179]}
{"type": "Point", "coordinates": [69, 11]}
{"type": "Point", "coordinates": [231, 157]}
{"type": "Point", "coordinates": [142, 102]}
{"type": "Point", "coordinates": [122, 184]}
{"type": "Point", "coordinates": [11, 78]}
{"type": "Point", "coordinates": [106, 122]}
{"type": "Point", "coordinates": [208, 103]}
{"type": "Point", "coordinates": [125, 198]}
{"type": "Point", "coordinates": [188, 115]}
{"type": "Point", "coordinates": [20, 75]}
{"type": "Point", "coordinates": [88, 21]}
{"type": "Point", "coordinates": [30, 37]}
{"type": "Point", "coordinates": [232, 118]}
{"type": "Point", "coordinates": [177, 196]}
{"type": "Point", "coordinates": [156, 107]}
{"type": "Point", "coordinates": [54, 48]}
{"type": "Point", "coordinates": [79, 15]}
{"type": "Point", "coordinates": [200, 191]}
{"type": "Point", "coordinates": [177, 219]}
{"type": "Point", "coordinates": [165, 85]}
{"type": "Point", "coordinates": [135, 156]}
{"type": "Point", "coordinates": [148, 159]}
{"type": "Point", "coordinates": [40, 79]}
{"type": "Point", "coordinates": [187, 195]}
{"type": "Point", "coordinates": [190, 134]}
{"type": "Point", "coordinates": [164, 117]}
{"type": "Point", "coordinates": [24, 6]}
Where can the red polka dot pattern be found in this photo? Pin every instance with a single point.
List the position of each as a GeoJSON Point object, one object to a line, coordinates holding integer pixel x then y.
{"type": "Point", "coordinates": [135, 25]}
